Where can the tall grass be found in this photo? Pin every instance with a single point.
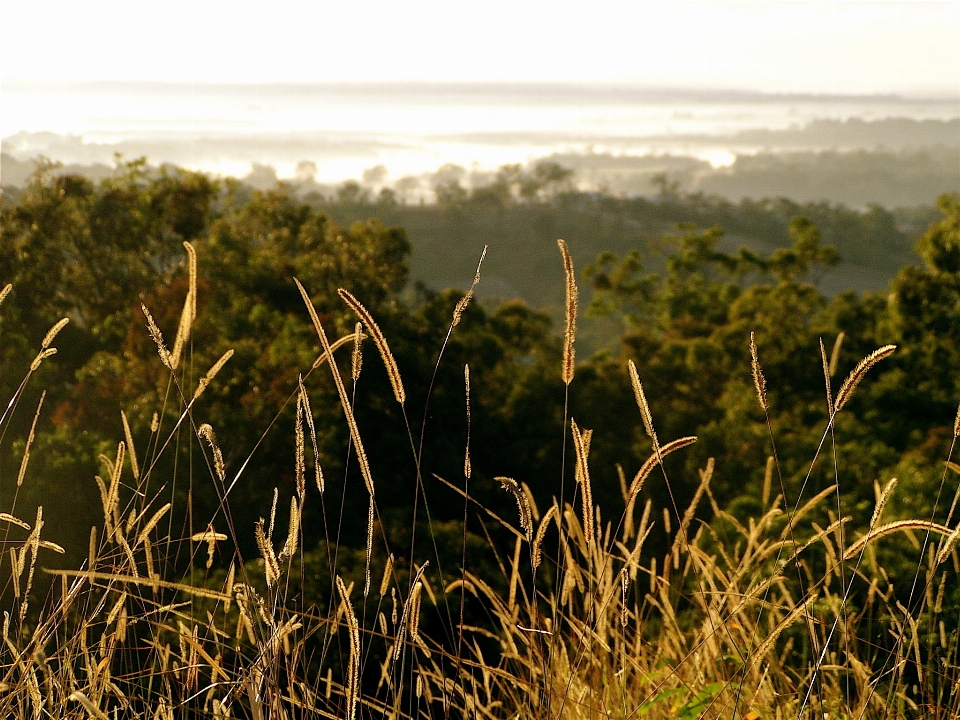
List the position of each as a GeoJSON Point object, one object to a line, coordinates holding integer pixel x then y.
{"type": "Point", "coordinates": [778, 613]}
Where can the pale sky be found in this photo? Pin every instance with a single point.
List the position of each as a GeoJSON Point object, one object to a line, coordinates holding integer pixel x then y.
{"type": "Point", "coordinates": [830, 47]}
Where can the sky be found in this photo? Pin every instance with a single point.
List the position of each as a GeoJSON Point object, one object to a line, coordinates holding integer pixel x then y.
{"type": "Point", "coordinates": [824, 47]}
{"type": "Point", "coordinates": [223, 86]}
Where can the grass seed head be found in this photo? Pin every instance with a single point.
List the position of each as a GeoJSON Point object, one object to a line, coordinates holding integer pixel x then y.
{"type": "Point", "coordinates": [356, 357]}
{"type": "Point", "coordinates": [570, 324]}
{"type": "Point", "coordinates": [759, 381]}
{"type": "Point", "coordinates": [53, 332]}
{"type": "Point", "coordinates": [393, 372]}
{"type": "Point", "coordinates": [465, 300]}
{"type": "Point", "coordinates": [581, 446]}
{"type": "Point", "coordinates": [511, 486]}
{"type": "Point", "coordinates": [157, 338]}
{"type": "Point", "coordinates": [857, 374]}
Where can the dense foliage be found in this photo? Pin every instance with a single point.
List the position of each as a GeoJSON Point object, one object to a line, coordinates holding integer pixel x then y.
{"type": "Point", "coordinates": [104, 255]}
{"type": "Point", "coordinates": [93, 252]}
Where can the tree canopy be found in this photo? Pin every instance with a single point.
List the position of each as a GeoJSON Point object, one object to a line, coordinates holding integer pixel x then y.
{"type": "Point", "coordinates": [94, 252]}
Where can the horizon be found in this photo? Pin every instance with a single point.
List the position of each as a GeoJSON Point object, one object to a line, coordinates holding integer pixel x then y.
{"type": "Point", "coordinates": [417, 85]}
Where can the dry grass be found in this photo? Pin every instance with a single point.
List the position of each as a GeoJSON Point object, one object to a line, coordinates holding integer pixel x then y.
{"type": "Point", "coordinates": [740, 618]}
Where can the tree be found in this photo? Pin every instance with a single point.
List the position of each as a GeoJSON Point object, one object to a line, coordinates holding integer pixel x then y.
{"type": "Point", "coordinates": [352, 193]}
{"type": "Point", "coordinates": [940, 245]}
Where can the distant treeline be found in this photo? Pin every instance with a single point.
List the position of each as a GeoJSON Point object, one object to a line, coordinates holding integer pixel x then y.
{"type": "Point", "coordinates": [892, 162]}
{"type": "Point", "coordinates": [522, 211]}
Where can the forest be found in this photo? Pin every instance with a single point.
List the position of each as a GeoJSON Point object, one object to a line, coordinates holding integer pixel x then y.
{"type": "Point", "coordinates": [691, 292]}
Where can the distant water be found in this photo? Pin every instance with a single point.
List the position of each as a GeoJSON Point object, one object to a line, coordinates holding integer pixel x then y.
{"type": "Point", "coordinates": [413, 129]}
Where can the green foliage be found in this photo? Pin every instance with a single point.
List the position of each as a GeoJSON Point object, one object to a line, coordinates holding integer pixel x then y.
{"type": "Point", "coordinates": [685, 312]}
{"type": "Point", "coordinates": [686, 323]}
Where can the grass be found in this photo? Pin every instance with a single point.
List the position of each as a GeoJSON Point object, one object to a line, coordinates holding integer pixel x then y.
{"type": "Point", "coordinates": [785, 612]}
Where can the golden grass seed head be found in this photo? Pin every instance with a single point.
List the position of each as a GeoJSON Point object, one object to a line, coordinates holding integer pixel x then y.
{"type": "Point", "coordinates": [624, 608]}
{"type": "Point", "coordinates": [308, 416]}
{"type": "Point", "coordinates": [16, 568]}
{"type": "Point", "coordinates": [50, 545]}
{"type": "Point", "coordinates": [948, 546]}
{"type": "Point", "coordinates": [293, 531]}
{"type": "Point", "coordinates": [128, 436]}
{"type": "Point", "coordinates": [353, 663]}
{"type": "Point", "coordinates": [405, 616]}
{"type": "Point", "coordinates": [212, 373]}
{"type": "Point", "coordinates": [467, 467]}
{"type": "Point", "coordinates": [339, 343]}
{"type": "Point", "coordinates": [228, 585]}
{"type": "Point", "coordinates": [461, 306]}
{"type": "Point", "coordinates": [570, 324]}
{"type": "Point", "coordinates": [92, 710]}
{"type": "Point", "coordinates": [24, 461]}
{"type": "Point", "coordinates": [299, 452]}
{"type": "Point", "coordinates": [189, 312]}
{"type": "Point", "coordinates": [759, 381]}
{"type": "Point", "coordinates": [116, 468]}
{"type": "Point", "coordinates": [882, 501]}
{"type": "Point", "coordinates": [393, 372]}
{"type": "Point", "coordinates": [191, 277]}
{"type": "Point", "coordinates": [654, 460]}
{"type": "Point", "coordinates": [835, 353]}
{"type": "Point", "coordinates": [857, 374]}
{"type": "Point", "coordinates": [581, 446]}
{"type": "Point", "coordinates": [271, 566]}
{"type": "Point", "coordinates": [642, 403]}
{"type": "Point", "coordinates": [152, 523]}
{"type": "Point", "coordinates": [826, 378]}
{"type": "Point", "coordinates": [157, 337]}
{"type": "Point", "coordinates": [414, 614]}
{"type": "Point", "coordinates": [206, 432]}
{"type": "Point", "coordinates": [8, 518]}
{"type": "Point", "coordinates": [6, 291]}
{"type": "Point", "coordinates": [465, 300]}
{"type": "Point", "coordinates": [53, 332]}
{"type": "Point", "coordinates": [387, 576]}
{"type": "Point", "coordinates": [369, 548]}
{"type": "Point", "coordinates": [92, 549]}
{"type": "Point", "coordinates": [551, 514]}
{"type": "Point", "coordinates": [799, 610]}
{"type": "Point", "coordinates": [356, 357]}
{"type": "Point", "coordinates": [892, 527]}
{"type": "Point", "coordinates": [41, 356]}
{"type": "Point", "coordinates": [511, 486]}
{"type": "Point", "coordinates": [531, 501]}
{"type": "Point", "coordinates": [767, 480]}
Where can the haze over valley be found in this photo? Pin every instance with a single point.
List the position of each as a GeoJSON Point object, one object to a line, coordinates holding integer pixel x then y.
{"type": "Point", "coordinates": [730, 143]}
